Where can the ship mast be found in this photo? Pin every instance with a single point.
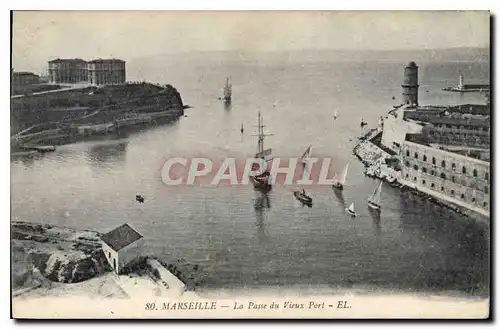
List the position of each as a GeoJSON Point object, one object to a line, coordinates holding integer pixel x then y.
{"type": "Point", "coordinates": [261, 136]}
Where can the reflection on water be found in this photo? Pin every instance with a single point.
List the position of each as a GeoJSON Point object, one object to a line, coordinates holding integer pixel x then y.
{"type": "Point", "coordinates": [377, 227]}
{"type": "Point", "coordinates": [227, 106]}
{"type": "Point", "coordinates": [340, 197]}
{"type": "Point", "coordinates": [112, 152]}
{"type": "Point", "coordinates": [261, 205]}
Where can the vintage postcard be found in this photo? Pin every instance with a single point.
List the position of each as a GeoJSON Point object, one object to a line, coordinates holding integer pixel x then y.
{"type": "Point", "coordinates": [258, 164]}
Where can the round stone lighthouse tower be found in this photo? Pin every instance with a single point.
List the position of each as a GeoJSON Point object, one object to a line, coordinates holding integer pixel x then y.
{"type": "Point", "coordinates": [410, 84]}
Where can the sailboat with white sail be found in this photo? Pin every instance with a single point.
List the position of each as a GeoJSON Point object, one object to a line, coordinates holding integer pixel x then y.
{"type": "Point", "coordinates": [339, 183]}
{"type": "Point", "coordinates": [374, 199]}
{"type": "Point", "coordinates": [306, 155]}
{"type": "Point", "coordinates": [350, 210]}
{"type": "Point", "coordinates": [263, 180]}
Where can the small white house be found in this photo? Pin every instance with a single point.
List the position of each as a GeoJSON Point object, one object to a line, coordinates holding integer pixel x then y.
{"type": "Point", "coordinates": [121, 246]}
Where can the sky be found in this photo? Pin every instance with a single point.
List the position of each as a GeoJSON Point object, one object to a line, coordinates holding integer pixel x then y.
{"type": "Point", "coordinates": [39, 36]}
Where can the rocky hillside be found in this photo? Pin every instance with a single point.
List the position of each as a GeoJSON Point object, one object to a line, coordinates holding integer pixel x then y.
{"type": "Point", "coordinates": [60, 254]}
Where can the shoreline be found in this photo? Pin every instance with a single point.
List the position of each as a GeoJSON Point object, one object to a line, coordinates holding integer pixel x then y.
{"type": "Point", "coordinates": [52, 260]}
{"type": "Point", "coordinates": [78, 113]}
{"type": "Point", "coordinates": [377, 169]}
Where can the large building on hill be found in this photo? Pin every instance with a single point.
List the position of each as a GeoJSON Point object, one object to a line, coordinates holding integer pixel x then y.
{"type": "Point", "coordinates": [67, 71]}
{"type": "Point", "coordinates": [94, 72]}
{"type": "Point", "coordinates": [106, 71]}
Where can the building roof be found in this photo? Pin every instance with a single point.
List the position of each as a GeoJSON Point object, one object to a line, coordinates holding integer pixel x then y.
{"type": "Point", "coordinates": [110, 60]}
{"type": "Point", "coordinates": [58, 60]}
{"type": "Point", "coordinates": [121, 237]}
{"type": "Point", "coordinates": [24, 73]}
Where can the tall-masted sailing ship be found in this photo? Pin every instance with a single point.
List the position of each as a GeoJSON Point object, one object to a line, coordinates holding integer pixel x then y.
{"type": "Point", "coordinates": [263, 180]}
{"type": "Point", "coordinates": [227, 92]}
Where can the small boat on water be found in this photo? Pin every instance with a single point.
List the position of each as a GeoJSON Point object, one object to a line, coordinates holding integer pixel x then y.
{"type": "Point", "coordinates": [350, 210]}
{"type": "Point", "coordinates": [335, 115]}
{"type": "Point", "coordinates": [139, 198]}
{"type": "Point", "coordinates": [339, 183]}
{"type": "Point", "coordinates": [374, 199]}
{"type": "Point", "coordinates": [306, 155]}
{"type": "Point", "coordinates": [303, 197]}
{"type": "Point", "coordinates": [242, 130]}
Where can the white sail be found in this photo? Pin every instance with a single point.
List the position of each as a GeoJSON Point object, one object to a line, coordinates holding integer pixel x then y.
{"type": "Point", "coordinates": [375, 197]}
{"type": "Point", "coordinates": [351, 207]}
{"type": "Point", "coordinates": [307, 153]}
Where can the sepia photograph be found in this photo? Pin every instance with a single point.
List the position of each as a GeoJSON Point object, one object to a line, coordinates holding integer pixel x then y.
{"type": "Point", "coordinates": [250, 164]}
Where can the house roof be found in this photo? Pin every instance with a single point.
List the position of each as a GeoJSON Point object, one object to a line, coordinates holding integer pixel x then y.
{"type": "Point", "coordinates": [121, 237]}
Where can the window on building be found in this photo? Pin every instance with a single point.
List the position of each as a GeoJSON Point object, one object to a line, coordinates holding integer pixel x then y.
{"type": "Point", "coordinates": [433, 185]}
{"type": "Point", "coordinates": [464, 170]}
{"type": "Point", "coordinates": [415, 178]}
{"type": "Point", "coordinates": [474, 173]}
{"type": "Point", "coordinates": [416, 155]}
{"type": "Point", "coordinates": [424, 170]}
{"type": "Point", "coordinates": [433, 160]}
{"type": "Point", "coordinates": [485, 204]}
{"type": "Point", "coordinates": [415, 167]}
{"type": "Point", "coordinates": [453, 179]}
{"type": "Point", "coordinates": [407, 153]}
{"type": "Point", "coordinates": [443, 164]}
{"type": "Point", "coordinates": [486, 176]}
{"type": "Point", "coordinates": [423, 181]}
{"type": "Point", "coordinates": [443, 176]}
{"type": "Point", "coordinates": [473, 199]}
{"type": "Point", "coordinates": [462, 196]}
{"type": "Point", "coordinates": [452, 192]}
{"type": "Point", "coordinates": [442, 188]}
{"type": "Point", "coordinates": [407, 163]}
{"type": "Point", "coordinates": [406, 175]}
{"type": "Point", "coordinates": [109, 254]}
{"type": "Point", "coordinates": [425, 158]}
{"type": "Point", "coordinates": [432, 172]}
{"type": "Point", "coordinates": [453, 166]}
{"type": "Point", "coordinates": [486, 189]}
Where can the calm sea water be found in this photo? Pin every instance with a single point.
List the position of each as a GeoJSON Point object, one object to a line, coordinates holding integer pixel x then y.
{"type": "Point", "coordinates": [240, 237]}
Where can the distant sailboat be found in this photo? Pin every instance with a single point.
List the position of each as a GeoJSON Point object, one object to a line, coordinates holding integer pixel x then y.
{"type": "Point", "coordinates": [307, 154]}
{"type": "Point", "coordinates": [350, 210]}
{"type": "Point", "coordinates": [374, 199]}
{"type": "Point", "coordinates": [335, 115]}
{"type": "Point", "coordinates": [241, 130]}
{"type": "Point", "coordinates": [227, 92]}
{"type": "Point", "coordinates": [341, 182]}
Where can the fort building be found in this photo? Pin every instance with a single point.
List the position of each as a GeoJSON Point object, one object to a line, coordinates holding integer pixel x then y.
{"type": "Point", "coordinates": [444, 151]}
